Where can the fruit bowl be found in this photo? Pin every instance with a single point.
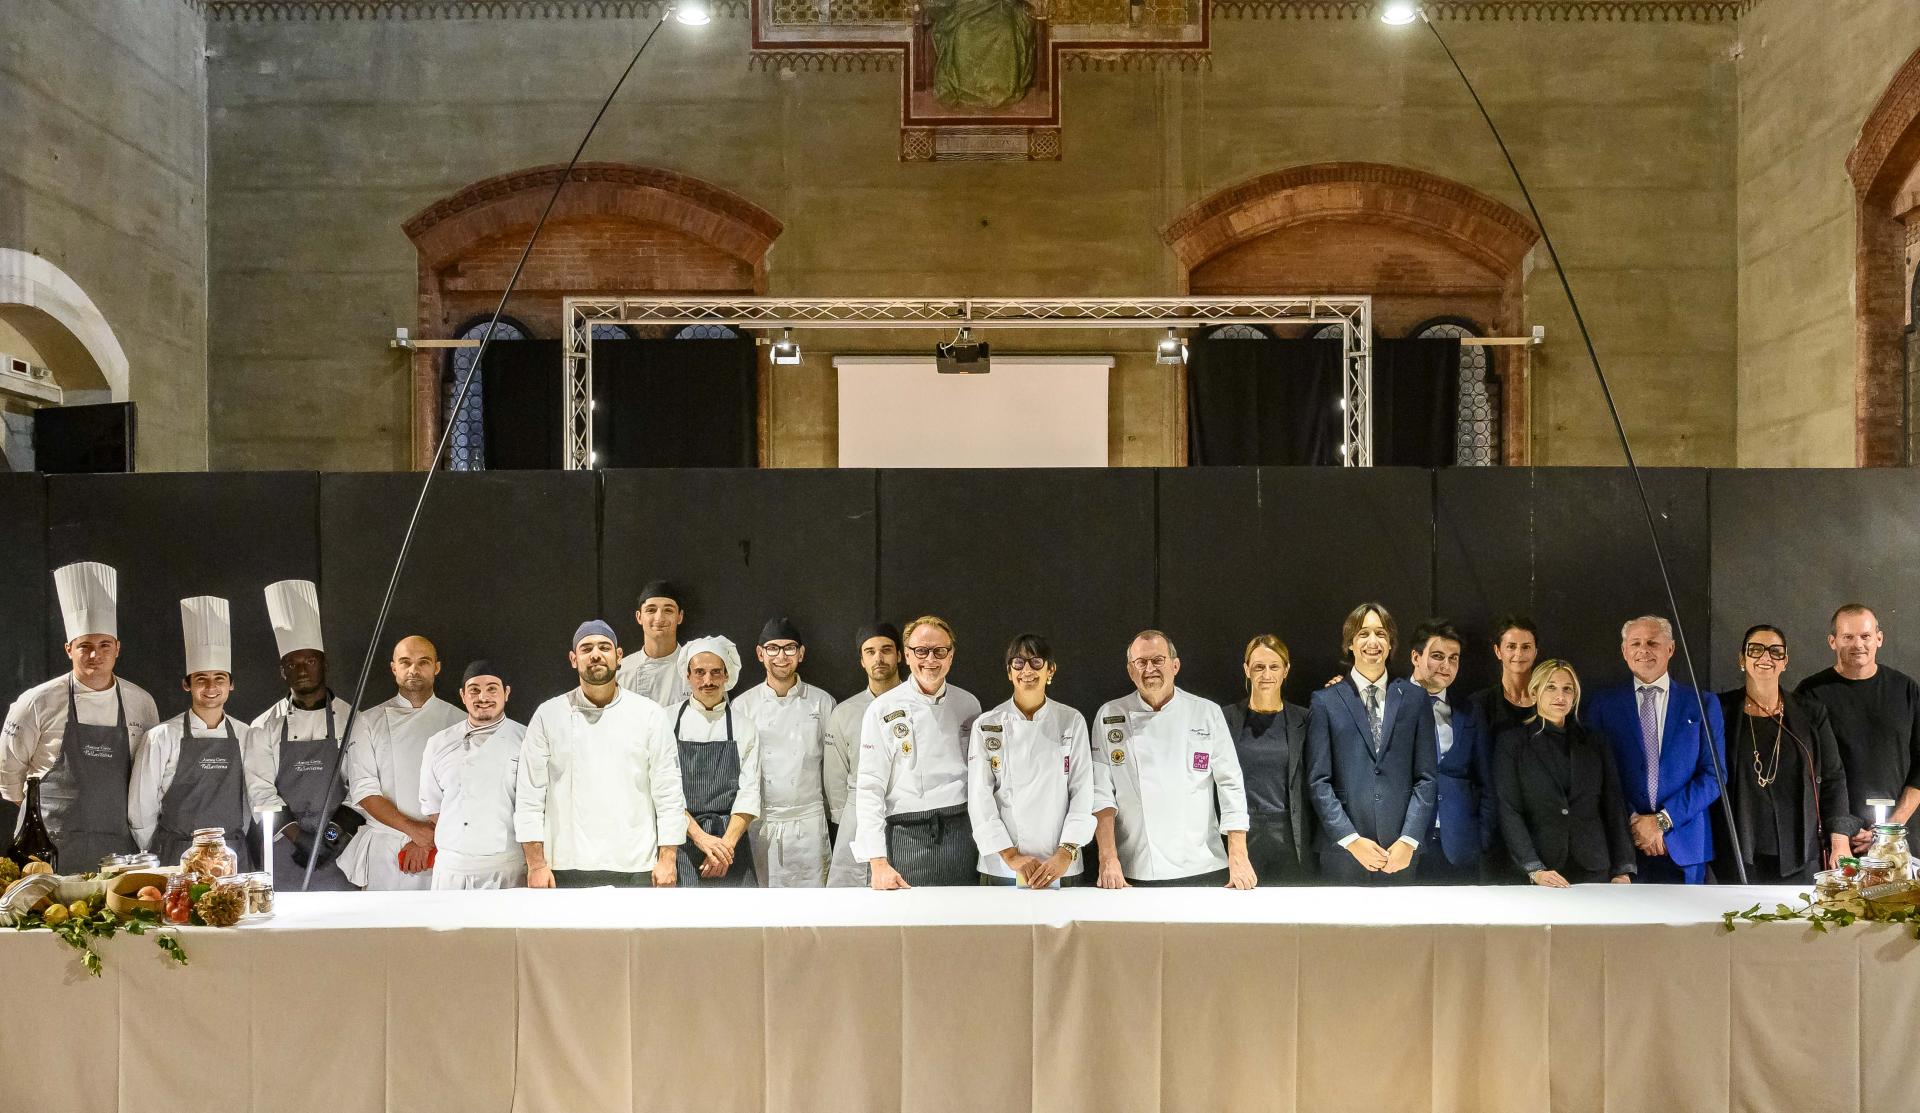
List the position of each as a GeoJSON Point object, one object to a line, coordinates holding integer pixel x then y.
{"type": "Point", "coordinates": [120, 891]}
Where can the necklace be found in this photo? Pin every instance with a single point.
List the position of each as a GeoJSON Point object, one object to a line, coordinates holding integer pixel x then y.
{"type": "Point", "coordinates": [1760, 773]}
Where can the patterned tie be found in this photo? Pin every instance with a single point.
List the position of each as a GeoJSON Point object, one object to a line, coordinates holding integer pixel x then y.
{"type": "Point", "coordinates": [1650, 742]}
{"type": "Point", "coordinates": [1373, 714]}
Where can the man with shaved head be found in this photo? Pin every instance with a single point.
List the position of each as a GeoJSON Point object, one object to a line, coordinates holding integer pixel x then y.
{"type": "Point", "coordinates": [395, 848]}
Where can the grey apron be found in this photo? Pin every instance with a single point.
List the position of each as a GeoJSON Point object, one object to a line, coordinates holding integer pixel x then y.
{"type": "Point", "coordinates": [209, 789]}
{"type": "Point", "coordinates": [85, 793]}
{"type": "Point", "coordinates": [302, 784]}
{"type": "Point", "coordinates": [710, 778]}
{"type": "Point", "coordinates": [934, 847]}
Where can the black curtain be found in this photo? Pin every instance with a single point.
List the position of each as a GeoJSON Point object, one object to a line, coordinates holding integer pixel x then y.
{"type": "Point", "coordinates": [675, 404]}
{"type": "Point", "coordinates": [1263, 402]}
{"type": "Point", "coordinates": [1416, 402]}
{"type": "Point", "coordinates": [523, 404]}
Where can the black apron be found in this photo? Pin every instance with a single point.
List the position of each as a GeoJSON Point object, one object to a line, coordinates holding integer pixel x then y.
{"type": "Point", "coordinates": [934, 847]}
{"type": "Point", "coordinates": [209, 789]}
{"type": "Point", "coordinates": [710, 779]}
{"type": "Point", "coordinates": [85, 793]}
{"type": "Point", "coordinates": [303, 786]}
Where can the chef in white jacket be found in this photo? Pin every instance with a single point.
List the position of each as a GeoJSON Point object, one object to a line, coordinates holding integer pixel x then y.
{"type": "Point", "coordinates": [879, 648]}
{"type": "Point", "coordinates": [395, 849]}
{"type": "Point", "coordinates": [1163, 763]}
{"type": "Point", "coordinates": [467, 781]}
{"type": "Point", "coordinates": [202, 769]}
{"type": "Point", "coordinates": [302, 732]}
{"type": "Point", "coordinates": [791, 844]}
{"type": "Point", "coordinates": [719, 750]}
{"type": "Point", "coordinates": [599, 800]}
{"type": "Point", "coordinates": [912, 787]}
{"type": "Point", "coordinates": [658, 670]}
{"type": "Point", "coordinates": [81, 732]}
{"type": "Point", "coordinates": [1029, 777]}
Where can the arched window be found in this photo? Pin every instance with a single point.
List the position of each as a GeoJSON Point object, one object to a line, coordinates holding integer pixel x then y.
{"type": "Point", "coordinates": [467, 448]}
{"type": "Point", "coordinates": [1477, 428]}
{"type": "Point", "coordinates": [612, 332]}
{"type": "Point", "coordinates": [706, 332]}
{"type": "Point", "coordinates": [1328, 332]}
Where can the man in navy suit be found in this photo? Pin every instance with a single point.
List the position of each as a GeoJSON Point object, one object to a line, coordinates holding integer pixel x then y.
{"type": "Point", "coordinates": [1463, 813]}
{"type": "Point", "coordinates": [1370, 760]}
{"type": "Point", "coordinates": [1660, 743]}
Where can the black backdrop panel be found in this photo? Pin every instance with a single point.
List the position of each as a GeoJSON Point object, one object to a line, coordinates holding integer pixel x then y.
{"type": "Point", "coordinates": [1288, 551]}
{"type": "Point", "coordinates": [1569, 546]}
{"type": "Point", "coordinates": [504, 566]}
{"type": "Point", "coordinates": [1790, 546]}
{"type": "Point", "coordinates": [1067, 554]}
{"type": "Point", "coordinates": [23, 605]}
{"type": "Point", "coordinates": [747, 546]}
{"type": "Point", "coordinates": [524, 403]}
{"type": "Point", "coordinates": [675, 403]}
{"type": "Point", "coordinates": [181, 534]}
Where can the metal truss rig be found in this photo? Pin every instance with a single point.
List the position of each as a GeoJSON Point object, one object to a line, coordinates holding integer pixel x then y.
{"type": "Point", "coordinates": [1354, 315]}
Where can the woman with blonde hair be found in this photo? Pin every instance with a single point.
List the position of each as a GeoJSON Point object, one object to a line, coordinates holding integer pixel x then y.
{"type": "Point", "coordinates": [1270, 736]}
{"type": "Point", "coordinates": [1562, 812]}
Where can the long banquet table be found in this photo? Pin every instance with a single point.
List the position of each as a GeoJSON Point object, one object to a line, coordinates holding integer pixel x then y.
{"type": "Point", "coordinates": [1603, 998]}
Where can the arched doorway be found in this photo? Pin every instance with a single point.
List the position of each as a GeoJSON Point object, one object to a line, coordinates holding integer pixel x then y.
{"type": "Point", "coordinates": [1885, 168]}
{"type": "Point", "coordinates": [53, 338]}
{"type": "Point", "coordinates": [1428, 249]}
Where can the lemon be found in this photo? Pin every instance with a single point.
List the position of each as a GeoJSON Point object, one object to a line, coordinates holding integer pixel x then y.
{"type": "Point", "coordinates": [55, 915]}
{"type": "Point", "coordinates": [79, 910]}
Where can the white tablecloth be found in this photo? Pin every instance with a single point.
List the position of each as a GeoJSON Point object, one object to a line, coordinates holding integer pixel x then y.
{"type": "Point", "coordinates": [1615, 999]}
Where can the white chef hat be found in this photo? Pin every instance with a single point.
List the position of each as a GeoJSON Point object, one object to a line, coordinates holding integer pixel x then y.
{"type": "Point", "coordinates": [88, 594]}
{"type": "Point", "coordinates": [209, 636]}
{"type": "Point", "coordinates": [293, 606]}
{"type": "Point", "coordinates": [722, 648]}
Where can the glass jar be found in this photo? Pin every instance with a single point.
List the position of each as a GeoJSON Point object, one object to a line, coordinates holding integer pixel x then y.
{"type": "Point", "coordinates": [1890, 843]}
{"type": "Point", "coordinates": [1831, 887]}
{"type": "Point", "coordinates": [176, 907]}
{"type": "Point", "coordinates": [259, 895]}
{"type": "Point", "coordinates": [210, 855]}
{"type": "Point", "coordinates": [113, 865]}
{"type": "Point", "coordinates": [1873, 871]}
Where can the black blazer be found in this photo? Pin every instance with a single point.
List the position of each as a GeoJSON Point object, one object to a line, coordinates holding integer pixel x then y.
{"type": "Point", "coordinates": [1580, 825]}
{"type": "Point", "coordinates": [1824, 808]}
{"type": "Point", "coordinates": [1299, 807]}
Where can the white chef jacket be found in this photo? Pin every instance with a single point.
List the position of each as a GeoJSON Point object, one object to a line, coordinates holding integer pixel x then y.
{"type": "Point", "coordinates": [600, 786]}
{"type": "Point", "coordinates": [913, 758]}
{"type": "Point", "coordinates": [1163, 772]}
{"type": "Point", "coordinates": [840, 753]}
{"type": "Point", "coordinates": [1029, 783]}
{"type": "Point", "coordinates": [661, 679]}
{"type": "Point", "coordinates": [467, 778]}
{"type": "Point", "coordinates": [793, 731]}
{"type": "Point", "coordinates": [389, 745]}
{"type": "Point", "coordinates": [160, 758]}
{"type": "Point", "coordinates": [35, 724]}
{"type": "Point", "coordinates": [698, 725]}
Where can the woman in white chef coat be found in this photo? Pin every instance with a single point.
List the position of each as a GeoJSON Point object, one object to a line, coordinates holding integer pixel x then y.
{"type": "Point", "coordinates": [1029, 781]}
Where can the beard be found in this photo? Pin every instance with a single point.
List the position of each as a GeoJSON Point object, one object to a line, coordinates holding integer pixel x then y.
{"type": "Point", "coordinates": [596, 673]}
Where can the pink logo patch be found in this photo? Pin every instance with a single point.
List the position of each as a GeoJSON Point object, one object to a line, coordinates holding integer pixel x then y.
{"type": "Point", "coordinates": [1200, 762]}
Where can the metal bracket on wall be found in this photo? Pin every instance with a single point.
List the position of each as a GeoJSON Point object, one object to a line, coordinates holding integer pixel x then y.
{"type": "Point", "coordinates": [1353, 313]}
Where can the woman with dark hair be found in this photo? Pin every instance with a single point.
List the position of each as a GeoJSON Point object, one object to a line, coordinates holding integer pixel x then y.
{"type": "Point", "coordinates": [1505, 703]}
{"type": "Point", "coordinates": [1270, 736]}
{"type": "Point", "coordinates": [1562, 812]}
{"type": "Point", "coordinates": [1784, 781]}
{"type": "Point", "coordinates": [1029, 784]}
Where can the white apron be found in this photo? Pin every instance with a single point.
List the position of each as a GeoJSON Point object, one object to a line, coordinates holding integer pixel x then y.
{"type": "Point", "coordinates": [454, 870]}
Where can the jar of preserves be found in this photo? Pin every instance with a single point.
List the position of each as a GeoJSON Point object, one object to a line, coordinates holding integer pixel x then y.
{"type": "Point", "coordinates": [176, 906]}
{"type": "Point", "coordinates": [113, 865]}
{"type": "Point", "coordinates": [1831, 887]}
{"type": "Point", "coordinates": [1890, 843]}
{"type": "Point", "coordinates": [210, 855]}
{"type": "Point", "coordinates": [259, 895]}
{"type": "Point", "coordinates": [1873, 871]}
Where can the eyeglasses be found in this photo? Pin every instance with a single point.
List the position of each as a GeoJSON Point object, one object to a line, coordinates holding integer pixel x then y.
{"type": "Point", "coordinates": [1755, 651]}
{"type": "Point", "coordinates": [786, 649]}
{"type": "Point", "coordinates": [937, 652]}
{"type": "Point", "coordinates": [1145, 663]}
{"type": "Point", "coordinates": [1037, 664]}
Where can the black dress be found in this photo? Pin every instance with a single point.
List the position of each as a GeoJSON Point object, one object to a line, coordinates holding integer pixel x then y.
{"type": "Point", "coordinates": [1560, 803]}
{"type": "Point", "coordinates": [1272, 748]}
{"type": "Point", "coordinates": [1785, 822]}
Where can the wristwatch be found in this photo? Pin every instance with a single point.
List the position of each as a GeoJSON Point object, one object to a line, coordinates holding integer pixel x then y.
{"type": "Point", "coordinates": [1073, 851]}
{"type": "Point", "coordinates": [1663, 819]}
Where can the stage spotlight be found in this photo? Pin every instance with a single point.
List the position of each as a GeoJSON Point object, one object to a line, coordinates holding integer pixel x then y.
{"type": "Point", "coordinates": [1399, 13]}
{"type": "Point", "coordinates": [693, 13]}
{"type": "Point", "coordinates": [962, 356]}
{"type": "Point", "coordinates": [786, 350]}
{"type": "Point", "coordinates": [1171, 350]}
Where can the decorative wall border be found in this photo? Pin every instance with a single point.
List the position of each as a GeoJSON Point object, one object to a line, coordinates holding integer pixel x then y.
{"type": "Point", "coordinates": [270, 11]}
{"type": "Point", "coordinates": [826, 61]}
{"type": "Point", "coordinates": [1516, 11]}
{"type": "Point", "coordinates": [1126, 61]}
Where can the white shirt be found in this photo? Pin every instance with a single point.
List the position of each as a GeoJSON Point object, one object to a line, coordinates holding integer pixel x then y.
{"type": "Point", "coordinates": [661, 679]}
{"type": "Point", "coordinates": [386, 756]}
{"type": "Point", "coordinates": [35, 724]}
{"type": "Point", "coordinates": [913, 758]}
{"type": "Point", "coordinates": [467, 778]}
{"type": "Point", "coordinates": [840, 757]}
{"type": "Point", "coordinates": [793, 742]}
{"type": "Point", "coordinates": [1163, 772]}
{"type": "Point", "coordinates": [600, 786]}
{"type": "Point", "coordinates": [160, 759]}
{"type": "Point", "coordinates": [1662, 688]}
{"type": "Point", "coordinates": [699, 725]}
{"type": "Point", "coordinates": [1029, 783]}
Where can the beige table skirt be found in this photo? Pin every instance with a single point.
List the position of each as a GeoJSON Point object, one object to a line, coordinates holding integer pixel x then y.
{"type": "Point", "coordinates": [969, 1001]}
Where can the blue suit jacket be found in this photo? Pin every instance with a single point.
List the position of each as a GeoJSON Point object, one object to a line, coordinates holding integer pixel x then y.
{"type": "Point", "coordinates": [1382, 797]}
{"type": "Point", "coordinates": [1465, 783]}
{"type": "Point", "coordinates": [1687, 784]}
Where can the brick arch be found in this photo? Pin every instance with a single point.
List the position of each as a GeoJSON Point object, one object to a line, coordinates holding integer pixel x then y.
{"type": "Point", "coordinates": [1424, 246]}
{"type": "Point", "coordinates": [1883, 159]}
{"type": "Point", "coordinates": [616, 229]}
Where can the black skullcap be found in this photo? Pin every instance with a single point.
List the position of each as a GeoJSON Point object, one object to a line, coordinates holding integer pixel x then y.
{"type": "Point", "coordinates": [482, 667]}
{"type": "Point", "coordinates": [780, 629]}
{"type": "Point", "coordinates": [874, 630]}
{"type": "Point", "coordinates": [660, 589]}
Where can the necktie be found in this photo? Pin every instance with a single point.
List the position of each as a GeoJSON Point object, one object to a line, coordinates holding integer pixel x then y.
{"type": "Point", "coordinates": [1373, 714]}
{"type": "Point", "coordinates": [1650, 742]}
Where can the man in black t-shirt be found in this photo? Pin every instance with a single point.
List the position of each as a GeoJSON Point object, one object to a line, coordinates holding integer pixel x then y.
{"type": "Point", "coordinates": [1876, 717]}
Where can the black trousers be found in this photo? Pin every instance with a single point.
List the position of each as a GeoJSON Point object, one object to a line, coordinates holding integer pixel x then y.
{"type": "Point", "coordinates": [1436, 869]}
{"type": "Point", "coordinates": [1271, 851]}
{"type": "Point", "coordinates": [593, 879]}
{"type": "Point", "coordinates": [934, 847]}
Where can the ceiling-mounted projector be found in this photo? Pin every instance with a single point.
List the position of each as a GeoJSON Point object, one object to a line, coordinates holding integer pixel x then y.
{"type": "Point", "coordinates": [962, 356]}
